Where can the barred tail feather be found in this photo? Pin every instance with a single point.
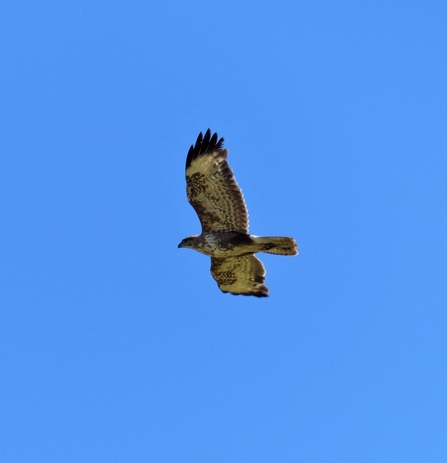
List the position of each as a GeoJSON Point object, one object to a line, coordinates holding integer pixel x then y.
{"type": "Point", "coordinates": [281, 245]}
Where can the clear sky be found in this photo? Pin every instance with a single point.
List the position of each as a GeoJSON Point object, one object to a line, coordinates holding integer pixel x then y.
{"type": "Point", "coordinates": [117, 346]}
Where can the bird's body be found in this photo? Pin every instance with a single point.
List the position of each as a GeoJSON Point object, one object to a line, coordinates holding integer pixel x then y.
{"type": "Point", "coordinates": [219, 244]}
{"type": "Point", "coordinates": [213, 192]}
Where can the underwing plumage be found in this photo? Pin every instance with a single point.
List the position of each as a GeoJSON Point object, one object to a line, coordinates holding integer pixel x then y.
{"type": "Point", "coordinates": [215, 195]}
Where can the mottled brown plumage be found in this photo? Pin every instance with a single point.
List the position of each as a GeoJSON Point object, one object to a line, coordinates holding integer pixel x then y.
{"type": "Point", "coordinates": [215, 195]}
{"type": "Point", "coordinates": [212, 189]}
{"type": "Point", "coordinates": [240, 275]}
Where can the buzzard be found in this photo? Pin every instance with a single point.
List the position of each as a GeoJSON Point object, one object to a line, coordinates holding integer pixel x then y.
{"type": "Point", "coordinates": [216, 197]}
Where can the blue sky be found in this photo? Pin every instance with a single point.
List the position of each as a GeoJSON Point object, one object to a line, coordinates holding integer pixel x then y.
{"type": "Point", "coordinates": [117, 346]}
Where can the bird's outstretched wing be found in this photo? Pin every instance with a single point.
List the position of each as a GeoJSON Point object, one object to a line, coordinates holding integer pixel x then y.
{"type": "Point", "coordinates": [211, 187]}
{"type": "Point", "coordinates": [240, 275]}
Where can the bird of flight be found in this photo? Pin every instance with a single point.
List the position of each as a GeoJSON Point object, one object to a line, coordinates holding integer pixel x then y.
{"type": "Point", "coordinates": [215, 195]}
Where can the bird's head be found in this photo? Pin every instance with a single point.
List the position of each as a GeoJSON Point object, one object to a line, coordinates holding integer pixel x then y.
{"type": "Point", "coordinates": [188, 242]}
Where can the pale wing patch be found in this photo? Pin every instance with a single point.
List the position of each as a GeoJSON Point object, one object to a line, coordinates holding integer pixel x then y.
{"type": "Point", "coordinates": [240, 275]}
{"type": "Point", "coordinates": [215, 195]}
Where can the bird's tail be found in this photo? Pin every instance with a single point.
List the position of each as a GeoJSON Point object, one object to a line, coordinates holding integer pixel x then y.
{"type": "Point", "coordinates": [276, 245]}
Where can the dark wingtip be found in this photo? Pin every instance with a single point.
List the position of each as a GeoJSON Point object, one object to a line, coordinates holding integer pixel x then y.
{"type": "Point", "coordinates": [260, 294]}
{"type": "Point", "coordinates": [204, 145]}
{"type": "Point", "coordinates": [256, 294]}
